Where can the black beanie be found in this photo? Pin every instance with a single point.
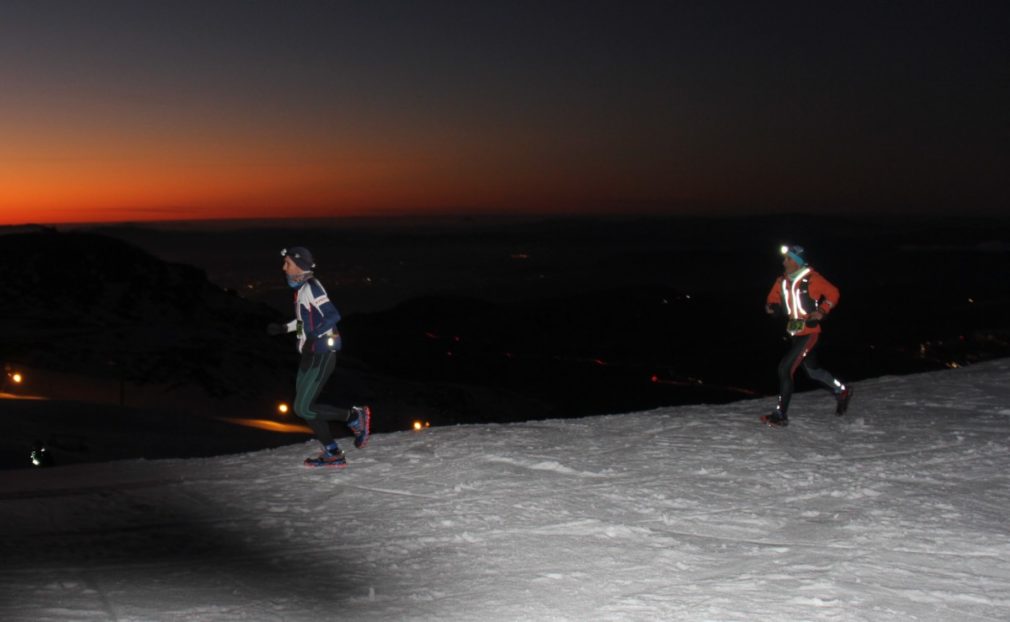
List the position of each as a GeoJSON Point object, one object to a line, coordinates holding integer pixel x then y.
{"type": "Point", "coordinates": [301, 256]}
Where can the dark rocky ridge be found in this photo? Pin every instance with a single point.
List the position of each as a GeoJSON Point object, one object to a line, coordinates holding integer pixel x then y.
{"type": "Point", "coordinates": [90, 304]}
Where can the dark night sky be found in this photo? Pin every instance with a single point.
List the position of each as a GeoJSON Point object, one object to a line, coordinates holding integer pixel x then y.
{"type": "Point", "coordinates": [178, 110]}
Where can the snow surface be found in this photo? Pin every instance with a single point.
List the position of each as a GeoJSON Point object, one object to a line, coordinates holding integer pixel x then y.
{"type": "Point", "coordinates": [896, 512]}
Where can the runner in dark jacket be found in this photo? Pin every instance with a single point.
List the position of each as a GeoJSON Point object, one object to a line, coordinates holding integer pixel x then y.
{"type": "Point", "coordinates": [319, 342]}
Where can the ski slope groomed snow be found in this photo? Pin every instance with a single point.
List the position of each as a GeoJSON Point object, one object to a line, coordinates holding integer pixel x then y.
{"type": "Point", "coordinates": [898, 511]}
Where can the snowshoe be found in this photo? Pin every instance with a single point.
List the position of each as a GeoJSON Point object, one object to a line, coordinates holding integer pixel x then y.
{"type": "Point", "coordinates": [360, 424]}
{"type": "Point", "coordinates": [843, 401]}
{"type": "Point", "coordinates": [776, 419]}
{"type": "Point", "coordinates": [328, 459]}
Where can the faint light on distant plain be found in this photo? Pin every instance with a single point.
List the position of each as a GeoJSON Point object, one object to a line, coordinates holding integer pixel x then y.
{"type": "Point", "coordinates": [39, 456]}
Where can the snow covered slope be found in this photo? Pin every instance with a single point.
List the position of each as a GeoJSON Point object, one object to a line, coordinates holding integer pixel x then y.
{"type": "Point", "coordinates": [896, 512]}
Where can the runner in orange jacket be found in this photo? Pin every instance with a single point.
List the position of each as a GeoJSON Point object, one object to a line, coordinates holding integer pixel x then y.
{"type": "Point", "coordinates": [805, 298]}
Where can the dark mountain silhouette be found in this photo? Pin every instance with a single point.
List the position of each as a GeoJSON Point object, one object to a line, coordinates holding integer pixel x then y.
{"type": "Point", "coordinates": [91, 304]}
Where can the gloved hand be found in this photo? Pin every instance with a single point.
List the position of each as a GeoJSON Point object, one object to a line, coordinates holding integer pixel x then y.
{"type": "Point", "coordinates": [276, 329]}
{"type": "Point", "coordinates": [814, 319]}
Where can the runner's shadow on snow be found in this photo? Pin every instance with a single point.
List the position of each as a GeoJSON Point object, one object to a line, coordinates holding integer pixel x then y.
{"type": "Point", "coordinates": [149, 537]}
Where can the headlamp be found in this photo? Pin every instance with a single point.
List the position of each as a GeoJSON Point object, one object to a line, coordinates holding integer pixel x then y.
{"type": "Point", "coordinates": [793, 252]}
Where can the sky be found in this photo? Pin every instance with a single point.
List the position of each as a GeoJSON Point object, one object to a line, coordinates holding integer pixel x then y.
{"type": "Point", "coordinates": [895, 512]}
{"type": "Point", "coordinates": [113, 111]}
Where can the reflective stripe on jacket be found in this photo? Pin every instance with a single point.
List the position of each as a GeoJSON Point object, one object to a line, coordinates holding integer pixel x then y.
{"type": "Point", "coordinates": [802, 293]}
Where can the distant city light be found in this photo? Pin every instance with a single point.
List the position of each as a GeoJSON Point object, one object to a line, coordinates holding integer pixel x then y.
{"type": "Point", "coordinates": [39, 456]}
{"type": "Point", "coordinates": [17, 378]}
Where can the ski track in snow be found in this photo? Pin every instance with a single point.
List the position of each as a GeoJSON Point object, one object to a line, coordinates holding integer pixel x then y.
{"type": "Point", "coordinates": [897, 511]}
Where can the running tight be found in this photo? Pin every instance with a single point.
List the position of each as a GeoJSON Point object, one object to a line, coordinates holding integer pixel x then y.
{"type": "Point", "coordinates": [314, 371]}
{"type": "Point", "coordinates": [801, 355]}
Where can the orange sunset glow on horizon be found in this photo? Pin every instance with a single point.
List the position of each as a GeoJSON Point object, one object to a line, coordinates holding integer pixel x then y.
{"type": "Point", "coordinates": [146, 169]}
{"type": "Point", "coordinates": [229, 178]}
{"type": "Point", "coordinates": [134, 193]}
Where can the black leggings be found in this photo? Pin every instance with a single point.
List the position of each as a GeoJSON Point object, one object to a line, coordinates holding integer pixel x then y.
{"type": "Point", "coordinates": [314, 371]}
{"type": "Point", "coordinates": [801, 355]}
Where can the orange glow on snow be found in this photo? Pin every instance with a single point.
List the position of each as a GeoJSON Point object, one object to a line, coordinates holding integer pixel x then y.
{"type": "Point", "coordinates": [268, 425]}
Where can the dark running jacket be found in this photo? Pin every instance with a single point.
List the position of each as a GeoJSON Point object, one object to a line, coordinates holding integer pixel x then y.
{"type": "Point", "coordinates": [315, 319]}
